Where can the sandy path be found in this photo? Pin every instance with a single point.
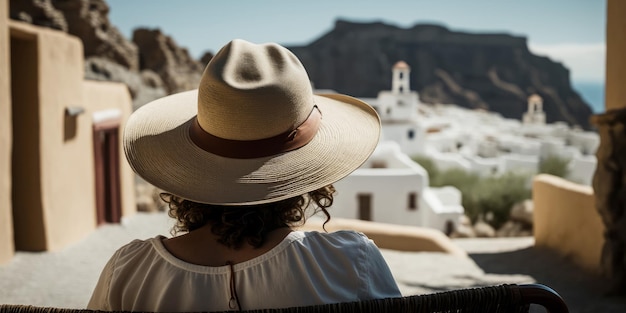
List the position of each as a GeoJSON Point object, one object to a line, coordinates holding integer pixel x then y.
{"type": "Point", "coordinates": [66, 278]}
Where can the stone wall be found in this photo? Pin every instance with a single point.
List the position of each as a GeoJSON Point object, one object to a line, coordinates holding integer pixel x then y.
{"type": "Point", "coordinates": [609, 181]}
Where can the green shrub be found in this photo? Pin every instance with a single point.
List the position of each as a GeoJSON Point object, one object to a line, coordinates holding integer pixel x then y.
{"type": "Point", "coordinates": [497, 194]}
{"type": "Point", "coordinates": [480, 195]}
{"type": "Point", "coordinates": [456, 177]}
{"type": "Point", "coordinates": [554, 165]}
{"type": "Point", "coordinates": [428, 164]}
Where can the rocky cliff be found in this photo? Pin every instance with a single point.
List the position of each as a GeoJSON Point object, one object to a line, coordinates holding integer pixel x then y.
{"type": "Point", "coordinates": [160, 54]}
{"type": "Point", "coordinates": [496, 72]}
{"type": "Point", "coordinates": [152, 65]}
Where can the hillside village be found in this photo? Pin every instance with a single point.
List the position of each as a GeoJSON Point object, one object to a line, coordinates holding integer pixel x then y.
{"type": "Point", "coordinates": [392, 188]}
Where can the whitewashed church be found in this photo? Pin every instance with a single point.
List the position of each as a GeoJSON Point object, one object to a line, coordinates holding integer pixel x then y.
{"type": "Point", "coordinates": [398, 111]}
{"type": "Point", "coordinates": [390, 187]}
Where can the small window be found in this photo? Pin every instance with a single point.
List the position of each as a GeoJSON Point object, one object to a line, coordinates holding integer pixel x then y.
{"type": "Point", "coordinates": [449, 228]}
{"type": "Point", "coordinates": [400, 103]}
{"type": "Point", "coordinates": [412, 201]}
{"type": "Point", "coordinates": [365, 206]}
{"type": "Point", "coordinates": [379, 164]}
{"type": "Point", "coordinates": [388, 111]}
{"type": "Point", "coordinates": [411, 134]}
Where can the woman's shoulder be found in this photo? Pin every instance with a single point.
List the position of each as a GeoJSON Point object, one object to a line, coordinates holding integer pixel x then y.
{"type": "Point", "coordinates": [340, 235]}
{"type": "Point", "coordinates": [137, 248]}
{"type": "Point", "coordinates": [343, 239]}
{"type": "Point", "coordinates": [139, 244]}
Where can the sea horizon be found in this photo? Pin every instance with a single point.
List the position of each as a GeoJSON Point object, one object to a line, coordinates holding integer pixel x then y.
{"type": "Point", "coordinates": [592, 92]}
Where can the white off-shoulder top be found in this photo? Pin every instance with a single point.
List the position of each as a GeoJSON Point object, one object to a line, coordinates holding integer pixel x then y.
{"type": "Point", "coordinates": [306, 268]}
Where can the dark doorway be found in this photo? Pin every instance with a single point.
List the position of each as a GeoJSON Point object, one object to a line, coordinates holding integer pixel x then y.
{"type": "Point", "coordinates": [412, 201]}
{"type": "Point", "coordinates": [365, 206]}
{"type": "Point", "coordinates": [449, 228]}
{"type": "Point", "coordinates": [106, 153]}
{"type": "Point", "coordinates": [27, 204]}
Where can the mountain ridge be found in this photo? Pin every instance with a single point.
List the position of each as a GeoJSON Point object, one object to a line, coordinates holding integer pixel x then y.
{"type": "Point", "coordinates": [493, 71]}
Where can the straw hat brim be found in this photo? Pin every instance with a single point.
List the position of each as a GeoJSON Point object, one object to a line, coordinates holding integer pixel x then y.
{"type": "Point", "coordinates": [158, 147]}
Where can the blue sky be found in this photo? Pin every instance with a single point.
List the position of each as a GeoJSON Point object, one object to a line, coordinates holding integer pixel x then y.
{"type": "Point", "coordinates": [569, 31]}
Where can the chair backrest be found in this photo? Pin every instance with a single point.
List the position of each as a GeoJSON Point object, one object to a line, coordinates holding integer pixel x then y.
{"type": "Point", "coordinates": [492, 299]}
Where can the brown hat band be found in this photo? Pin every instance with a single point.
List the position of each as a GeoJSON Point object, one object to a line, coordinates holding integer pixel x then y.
{"type": "Point", "coordinates": [249, 149]}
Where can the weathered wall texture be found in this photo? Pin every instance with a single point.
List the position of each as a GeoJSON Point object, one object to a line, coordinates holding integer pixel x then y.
{"type": "Point", "coordinates": [566, 221]}
{"type": "Point", "coordinates": [6, 219]}
{"type": "Point", "coordinates": [609, 182]}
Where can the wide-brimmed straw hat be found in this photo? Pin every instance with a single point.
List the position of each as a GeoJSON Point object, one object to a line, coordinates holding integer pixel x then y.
{"type": "Point", "coordinates": [253, 132]}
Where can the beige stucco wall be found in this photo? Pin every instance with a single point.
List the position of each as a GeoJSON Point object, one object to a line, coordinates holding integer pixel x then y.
{"type": "Point", "coordinates": [66, 172]}
{"type": "Point", "coordinates": [6, 217]}
{"type": "Point", "coordinates": [107, 95]}
{"type": "Point", "coordinates": [615, 93]}
{"type": "Point", "coordinates": [566, 220]}
{"type": "Point", "coordinates": [392, 236]}
{"type": "Point", "coordinates": [67, 209]}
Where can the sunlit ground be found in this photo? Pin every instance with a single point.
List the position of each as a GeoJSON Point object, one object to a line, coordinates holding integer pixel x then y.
{"type": "Point", "coordinates": [65, 278]}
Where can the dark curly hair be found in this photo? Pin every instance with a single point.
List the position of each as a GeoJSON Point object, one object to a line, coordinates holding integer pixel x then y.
{"type": "Point", "coordinates": [235, 225]}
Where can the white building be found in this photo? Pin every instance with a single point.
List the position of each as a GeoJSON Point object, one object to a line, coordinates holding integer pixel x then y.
{"type": "Point", "coordinates": [535, 114]}
{"type": "Point", "coordinates": [486, 143]}
{"type": "Point", "coordinates": [392, 188]}
{"type": "Point", "coordinates": [398, 111]}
